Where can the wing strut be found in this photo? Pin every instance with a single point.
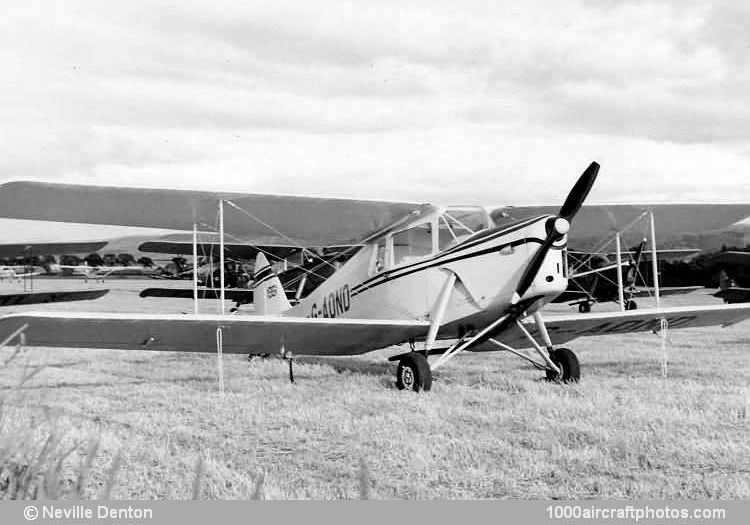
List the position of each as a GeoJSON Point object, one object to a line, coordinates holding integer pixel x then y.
{"type": "Point", "coordinates": [195, 268]}
{"type": "Point", "coordinates": [654, 260]}
{"type": "Point", "coordinates": [620, 290]}
{"type": "Point", "coordinates": [437, 317]}
{"type": "Point", "coordinates": [221, 253]}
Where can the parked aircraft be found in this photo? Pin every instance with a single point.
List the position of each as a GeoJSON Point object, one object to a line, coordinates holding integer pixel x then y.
{"type": "Point", "coordinates": [591, 283]}
{"type": "Point", "coordinates": [418, 275]}
{"type": "Point", "coordinates": [32, 297]}
{"type": "Point", "coordinates": [739, 263]}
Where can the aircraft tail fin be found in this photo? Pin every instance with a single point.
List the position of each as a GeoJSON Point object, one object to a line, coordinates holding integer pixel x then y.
{"type": "Point", "coordinates": [269, 297]}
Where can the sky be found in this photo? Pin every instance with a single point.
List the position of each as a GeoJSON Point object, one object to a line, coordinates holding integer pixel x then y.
{"type": "Point", "coordinates": [479, 102]}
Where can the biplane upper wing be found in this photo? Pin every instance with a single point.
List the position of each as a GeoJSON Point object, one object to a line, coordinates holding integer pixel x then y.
{"type": "Point", "coordinates": [564, 328]}
{"type": "Point", "coordinates": [50, 248]}
{"type": "Point", "coordinates": [670, 219]}
{"type": "Point", "coordinates": [248, 216]}
{"type": "Point", "coordinates": [198, 333]}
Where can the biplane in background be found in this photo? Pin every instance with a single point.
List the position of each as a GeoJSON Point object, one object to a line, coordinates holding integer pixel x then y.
{"type": "Point", "coordinates": [29, 270]}
{"type": "Point", "coordinates": [419, 274]}
{"type": "Point", "coordinates": [593, 278]}
{"type": "Point", "coordinates": [738, 263]}
{"type": "Point", "coordinates": [294, 265]}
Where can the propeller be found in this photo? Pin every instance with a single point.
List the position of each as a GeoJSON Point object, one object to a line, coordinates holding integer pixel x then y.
{"type": "Point", "coordinates": [558, 226]}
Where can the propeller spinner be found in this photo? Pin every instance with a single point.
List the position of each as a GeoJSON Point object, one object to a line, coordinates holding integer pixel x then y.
{"type": "Point", "coordinates": [558, 226]}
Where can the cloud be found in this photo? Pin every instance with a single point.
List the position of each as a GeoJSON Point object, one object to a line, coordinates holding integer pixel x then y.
{"type": "Point", "coordinates": [442, 101]}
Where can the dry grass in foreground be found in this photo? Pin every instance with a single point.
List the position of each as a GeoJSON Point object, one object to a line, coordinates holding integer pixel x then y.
{"type": "Point", "coordinates": [147, 425]}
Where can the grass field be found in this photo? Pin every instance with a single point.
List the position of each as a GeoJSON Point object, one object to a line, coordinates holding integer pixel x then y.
{"type": "Point", "coordinates": [490, 428]}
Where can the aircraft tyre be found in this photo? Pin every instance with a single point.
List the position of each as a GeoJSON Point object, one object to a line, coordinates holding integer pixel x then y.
{"type": "Point", "coordinates": [631, 305]}
{"type": "Point", "coordinates": [584, 308]}
{"type": "Point", "coordinates": [567, 361]}
{"type": "Point", "coordinates": [413, 373]}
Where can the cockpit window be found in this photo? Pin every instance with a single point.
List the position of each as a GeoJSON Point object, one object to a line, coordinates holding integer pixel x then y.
{"type": "Point", "coordinates": [456, 224]}
{"type": "Point", "coordinates": [412, 244]}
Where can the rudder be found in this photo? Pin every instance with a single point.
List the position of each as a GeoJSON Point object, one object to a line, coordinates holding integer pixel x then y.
{"type": "Point", "coordinates": [269, 296]}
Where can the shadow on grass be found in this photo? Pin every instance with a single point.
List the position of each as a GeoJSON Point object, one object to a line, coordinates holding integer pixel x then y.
{"type": "Point", "coordinates": [354, 365]}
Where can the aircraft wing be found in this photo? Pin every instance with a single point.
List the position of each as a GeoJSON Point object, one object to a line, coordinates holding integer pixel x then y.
{"type": "Point", "coordinates": [16, 299]}
{"type": "Point", "coordinates": [565, 328]}
{"type": "Point", "coordinates": [231, 294]}
{"type": "Point", "coordinates": [667, 290]}
{"type": "Point", "coordinates": [731, 257]}
{"type": "Point", "coordinates": [670, 219]}
{"type": "Point", "coordinates": [50, 248]}
{"type": "Point", "coordinates": [734, 294]}
{"type": "Point", "coordinates": [198, 333]}
{"type": "Point", "coordinates": [232, 250]}
{"type": "Point", "coordinates": [308, 221]}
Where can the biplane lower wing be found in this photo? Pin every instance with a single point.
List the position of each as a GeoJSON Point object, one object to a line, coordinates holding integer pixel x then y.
{"type": "Point", "coordinates": [241, 295]}
{"type": "Point", "coordinates": [574, 296]}
{"type": "Point", "coordinates": [198, 333]}
{"type": "Point", "coordinates": [565, 328]}
{"type": "Point", "coordinates": [734, 294]}
{"type": "Point", "coordinates": [16, 299]}
{"type": "Point", "coordinates": [664, 291]}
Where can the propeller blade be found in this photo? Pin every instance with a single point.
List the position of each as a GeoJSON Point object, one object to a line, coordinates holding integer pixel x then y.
{"type": "Point", "coordinates": [579, 192]}
{"type": "Point", "coordinates": [559, 227]}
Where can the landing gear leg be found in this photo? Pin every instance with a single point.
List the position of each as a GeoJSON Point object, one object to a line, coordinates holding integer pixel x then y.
{"type": "Point", "coordinates": [565, 363]}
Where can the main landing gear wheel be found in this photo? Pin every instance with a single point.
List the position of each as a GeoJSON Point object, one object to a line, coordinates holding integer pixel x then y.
{"type": "Point", "coordinates": [413, 373]}
{"type": "Point", "coordinates": [567, 362]}
{"type": "Point", "coordinates": [584, 308]}
{"type": "Point", "coordinates": [631, 305]}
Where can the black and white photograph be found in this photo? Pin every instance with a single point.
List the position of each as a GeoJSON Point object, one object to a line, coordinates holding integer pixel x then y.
{"type": "Point", "coordinates": [375, 250]}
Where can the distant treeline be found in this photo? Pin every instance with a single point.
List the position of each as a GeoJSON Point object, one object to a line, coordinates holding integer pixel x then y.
{"type": "Point", "coordinates": [92, 259]}
{"type": "Point", "coordinates": [705, 242]}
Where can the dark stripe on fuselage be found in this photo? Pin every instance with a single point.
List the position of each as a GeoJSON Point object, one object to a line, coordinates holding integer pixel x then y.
{"type": "Point", "coordinates": [386, 278]}
{"type": "Point", "coordinates": [472, 241]}
{"type": "Point", "coordinates": [492, 233]}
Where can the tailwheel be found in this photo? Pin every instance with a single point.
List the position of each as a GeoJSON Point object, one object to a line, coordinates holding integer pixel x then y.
{"type": "Point", "coordinates": [567, 362]}
{"type": "Point", "coordinates": [413, 373]}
